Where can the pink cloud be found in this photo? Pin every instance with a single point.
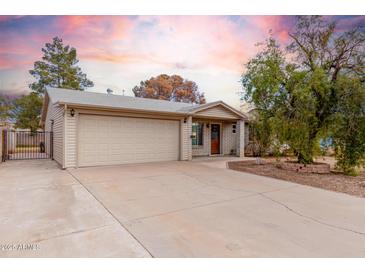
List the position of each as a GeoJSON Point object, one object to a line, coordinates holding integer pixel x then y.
{"type": "Point", "coordinates": [183, 42]}
{"type": "Point", "coordinates": [196, 41]}
{"type": "Point", "coordinates": [274, 23]}
{"type": "Point", "coordinates": [84, 29]}
{"type": "Point", "coordinates": [173, 41]}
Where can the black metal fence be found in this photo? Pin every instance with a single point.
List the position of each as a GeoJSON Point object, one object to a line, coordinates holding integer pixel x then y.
{"type": "Point", "coordinates": [19, 145]}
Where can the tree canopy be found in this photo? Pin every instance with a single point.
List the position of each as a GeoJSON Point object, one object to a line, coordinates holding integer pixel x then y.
{"type": "Point", "coordinates": [171, 88]}
{"type": "Point", "coordinates": [5, 107]}
{"type": "Point", "coordinates": [26, 110]}
{"type": "Point", "coordinates": [58, 68]}
{"type": "Point", "coordinates": [312, 89]}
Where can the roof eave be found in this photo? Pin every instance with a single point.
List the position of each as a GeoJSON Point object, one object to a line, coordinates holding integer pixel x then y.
{"type": "Point", "coordinates": [91, 106]}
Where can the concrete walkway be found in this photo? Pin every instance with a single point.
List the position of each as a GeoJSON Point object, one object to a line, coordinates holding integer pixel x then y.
{"type": "Point", "coordinates": [173, 209]}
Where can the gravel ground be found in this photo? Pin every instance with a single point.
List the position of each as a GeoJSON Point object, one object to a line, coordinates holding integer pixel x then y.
{"type": "Point", "coordinates": [334, 181]}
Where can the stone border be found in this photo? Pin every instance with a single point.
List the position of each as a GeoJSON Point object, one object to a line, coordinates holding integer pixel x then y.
{"type": "Point", "coordinates": [320, 168]}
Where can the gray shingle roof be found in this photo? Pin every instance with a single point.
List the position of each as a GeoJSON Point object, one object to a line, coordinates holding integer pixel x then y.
{"type": "Point", "coordinates": [94, 99]}
{"type": "Point", "coordinates": [75, 97]}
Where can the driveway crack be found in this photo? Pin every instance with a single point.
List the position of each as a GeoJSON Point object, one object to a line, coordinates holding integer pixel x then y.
{"type": "Point", "coordinates": [309, 217]}
{"type": "Point", "coordinates": [70, 233]}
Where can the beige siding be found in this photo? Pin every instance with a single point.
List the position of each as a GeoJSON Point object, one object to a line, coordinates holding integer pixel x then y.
{"type": "Point", "coordinates": [229, 139]}
{"type": "Point", "coordinates": [218, 112]}
{"type": "Point", "coordinates": [185, 140]}
{"type": "Point", "coordinates": [55, 113]}
{"type": "Point", "coordinates": [70, 139]}
{"type": "Point", "coordinates": [241, 138]}
{"type": "Point", "coordinates": [203, 150]}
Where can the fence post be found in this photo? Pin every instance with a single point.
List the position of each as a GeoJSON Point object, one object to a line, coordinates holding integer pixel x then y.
{"type": "Point", "coordinates": [4, 145]}
{"type": "Point", "coordinates": [51, 144]}
{"type": "Point", "coordinates": [1, 144]}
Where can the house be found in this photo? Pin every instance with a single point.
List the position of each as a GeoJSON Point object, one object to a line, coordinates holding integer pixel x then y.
{"type": "Point", "coordinates": [91, 129]}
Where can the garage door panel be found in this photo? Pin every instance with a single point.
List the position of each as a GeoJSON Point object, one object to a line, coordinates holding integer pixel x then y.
{"type": "Point", "coordinates": [106, 140]}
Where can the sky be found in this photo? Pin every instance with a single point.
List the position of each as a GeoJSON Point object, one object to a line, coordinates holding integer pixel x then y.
{"type": "Point", "coordinates": [118, 52]}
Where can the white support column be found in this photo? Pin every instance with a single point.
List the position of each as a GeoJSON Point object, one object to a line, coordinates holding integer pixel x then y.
{"type": "Point", "coordinates": [240, 138]}
{"type": "Point", "coordinates": [186, 152]}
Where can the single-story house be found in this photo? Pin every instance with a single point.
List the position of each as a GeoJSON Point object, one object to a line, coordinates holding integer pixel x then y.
{"type": "Point", "coordinates": [91, 129]}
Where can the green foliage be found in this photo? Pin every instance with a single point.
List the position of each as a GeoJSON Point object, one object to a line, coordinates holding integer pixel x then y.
{"type": "Point", "coordinates": [260, 129]}
{"type": "Point", "coordinates": [26, 110]}
{"type": "Point", "coordinates": [315, 95]}
{"type": "Point", "coordinates": [348, 130]}
{"type": "Point", "coordinates": [5, 107]}
{"type": "Point", "coordinates": [58, 69]}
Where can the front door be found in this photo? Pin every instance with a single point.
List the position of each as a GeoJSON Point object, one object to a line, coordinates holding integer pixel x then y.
{"type": "Point", "coordinates": [215, 139]}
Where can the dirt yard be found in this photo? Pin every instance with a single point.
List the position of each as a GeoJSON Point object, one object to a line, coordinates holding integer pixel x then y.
{"type": "Point", "coordinates": [334, 181]}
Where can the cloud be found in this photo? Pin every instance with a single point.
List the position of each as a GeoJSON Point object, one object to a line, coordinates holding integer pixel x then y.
{"type": "Point", "coordinates": [89, 28]}
{"type": "Point", "coordinates": [115, 50]}
{"type": "Point", "coordinates": [279, 25]}
{"type": "Point", "coordinates": [193, 41]}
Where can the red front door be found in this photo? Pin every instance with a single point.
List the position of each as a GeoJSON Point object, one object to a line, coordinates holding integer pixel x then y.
{"type": "Point", "coordinates": [215, 139]}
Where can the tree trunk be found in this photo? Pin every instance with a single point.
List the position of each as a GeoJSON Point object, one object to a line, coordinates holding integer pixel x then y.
{"type": "Point", "coordinates": [305, 159]}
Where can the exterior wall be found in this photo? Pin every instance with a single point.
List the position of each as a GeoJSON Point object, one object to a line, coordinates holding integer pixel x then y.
{"type": "Point", "coordinates": [203, 150]}
{"type": "Point", "coordinates": [218, 112]}
{"type": "Point", "coordinates": [247, 133]}
{"type": "Point", "coordinates": [229, 139]}
{"type": "Point", "coordinates": [55, 113]}
{"type": "Point", "coordinates": [70, 139]}
{"type": "Point", "coordinates": [185, 139]}
{"type": "Point", "coordinates": [240, 138]}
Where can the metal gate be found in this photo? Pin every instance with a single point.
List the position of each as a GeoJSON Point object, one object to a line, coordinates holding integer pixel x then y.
{"type": "Point", "coordinates": [19, 145]}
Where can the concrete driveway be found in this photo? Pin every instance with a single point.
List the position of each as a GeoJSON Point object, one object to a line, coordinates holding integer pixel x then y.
{"type": "Point", "coordinates": [172, 209]}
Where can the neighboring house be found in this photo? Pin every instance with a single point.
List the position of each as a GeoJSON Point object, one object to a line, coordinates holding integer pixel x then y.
{"type": "Point", "coordinates": [91, 129]}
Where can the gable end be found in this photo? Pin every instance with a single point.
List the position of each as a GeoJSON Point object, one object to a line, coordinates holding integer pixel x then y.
{"type": "Point", "coordinates": [218, 112]}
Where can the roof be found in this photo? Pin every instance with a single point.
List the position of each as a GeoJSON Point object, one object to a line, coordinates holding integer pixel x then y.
{"type": "Point", "coordinates": [103, 100]}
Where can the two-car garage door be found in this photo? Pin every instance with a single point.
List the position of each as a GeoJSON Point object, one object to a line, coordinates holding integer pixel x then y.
{"type": "Point", "coordinates": [108, 140]}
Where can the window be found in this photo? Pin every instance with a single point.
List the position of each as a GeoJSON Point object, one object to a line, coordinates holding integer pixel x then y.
{"type": "Point", "coordinates": [197, 134]}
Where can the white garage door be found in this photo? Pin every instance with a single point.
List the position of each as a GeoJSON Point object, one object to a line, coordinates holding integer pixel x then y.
{"type": "Point", "coordinates": [107, 140]}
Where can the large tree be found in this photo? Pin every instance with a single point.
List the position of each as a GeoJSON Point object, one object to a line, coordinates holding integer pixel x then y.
{"type": "Point", "coordinates": [58, 68]}
{"type": "Point", "coordinates": [171, 88]}
{"type": "Point", "coordinates": [26, 110]}
{"type": "Point", "coordinates": [301, 88]}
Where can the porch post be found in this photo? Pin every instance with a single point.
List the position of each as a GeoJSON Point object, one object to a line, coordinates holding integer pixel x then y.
{"type": "Point", "coordinates": [186, 150]}
{"type": "Point", "coordinates": [241, 138]}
